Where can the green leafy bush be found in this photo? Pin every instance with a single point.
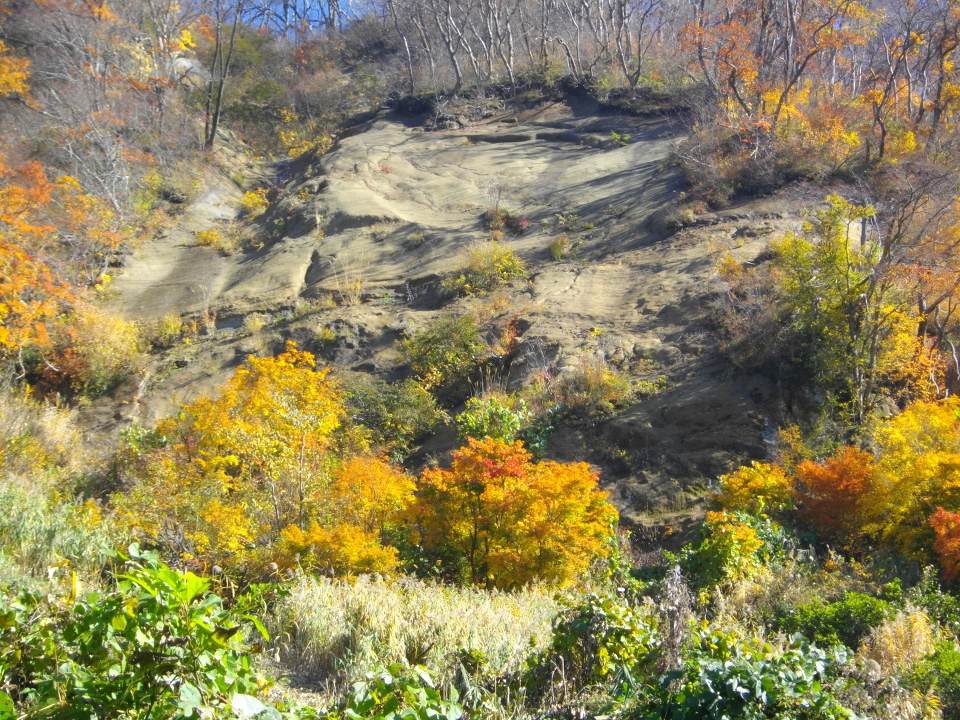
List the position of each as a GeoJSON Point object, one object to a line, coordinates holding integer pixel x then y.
{"type": "Point", "coordinates": [845, 622]}
{"type": "Point", "coordinates": [942, 607]}
{"type": "Point", "coordinates": [603, 639]}
{"type": "Point", "coordinates": [734, 546]}
{"type": "Point", "coordinates": [398, 693]}
{"type": "Point", "coordinates": [446, 352]}
{"type": "Point", "coordinates": [727, 676]}
{"type": "Point", "coordinates": [397, 414]}
{"type": "Point", "coordinates": [942, 672]}
{"type": "Point", "coordinates": [160, 645]}
{"type": "Point", "coordinates": [496, 415]}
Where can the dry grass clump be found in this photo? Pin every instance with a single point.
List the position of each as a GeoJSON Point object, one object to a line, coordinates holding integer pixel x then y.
{"type": "Point", "coordinates": [899, 642]}
{"type": "Point", "coordinates": [41, 451]}
{"type": "Point", "coordinates": [340, 629]}
{"type": "Point", "coordinates": [254, 323]}
{"type": "Point", "coordinates": [107, 349]}
{"type": "Point", "coordinates": [36, 437]}
{"type": "Point", "coordinates": [166, 331]}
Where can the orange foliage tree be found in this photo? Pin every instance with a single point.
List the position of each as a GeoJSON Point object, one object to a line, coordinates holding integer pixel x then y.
{"type": "Point", "coordinates": [508, 521]}
{"type": "Point", "coordinates": [31, 294]}
{"type": "Point", "coordinates": [946, 526]}
{"type": "Point", "coordinates": [832, 493]}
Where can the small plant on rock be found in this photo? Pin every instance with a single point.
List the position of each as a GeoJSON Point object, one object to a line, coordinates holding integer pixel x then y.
{"type": "Point", "coordinates": [254, 203]}
{"type": "Point", "coordinates": [487, 266]}
{"type": "Point", "coordinates": [499, 219]}
{"type": "Point", "coordinates": [559, 247]}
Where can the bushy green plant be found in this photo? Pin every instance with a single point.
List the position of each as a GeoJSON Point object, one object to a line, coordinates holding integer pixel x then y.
{"type": "Point", "coordinates": [397, 414]}
{"type": "Point", "coordinates": [160, 645]}
{"type": "Point", "coordinates": [727, 676]}
{"type": "Point", "coordinates": [847, 621]}
{"type": "Point", "coordinates": [942, 607]}
{"type": "Point", "coordinates": [602, 639]}
{"type": "Point", "coordinates": [399, 693]}
{"type": "Point", "coordinates": [495, 415]}
{"type": "Point", "coordinates": [445, 352]}
{"type": "Point", "coordinates": [734, 546]}
{"type": "Point", "coordinates": [942, 672]}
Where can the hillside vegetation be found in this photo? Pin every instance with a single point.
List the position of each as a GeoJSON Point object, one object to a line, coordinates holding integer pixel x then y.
{"type": "Point", "coordinates": [435, 359]}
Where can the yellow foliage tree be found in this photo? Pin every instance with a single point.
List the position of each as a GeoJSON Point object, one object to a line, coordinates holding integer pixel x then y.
{"type": "Point", "coordinates": [256, 458]}
{"type": "Point", "coordinates": [509, 521]}
{"type": "Point", "coordinates": [369, 493]}
{"type": "Point", "coordinates": [14, 73]}
{"type": "Point", "coordinates": [729, 549]}
{"type": "Point", "coordinates": [757, 488]}
{"type": "Point", "coordinates": [917, 471]}
{"type": "Point", "coordinates": [365, 500]}
{"type": "Point", "coordinates": [342, 548]}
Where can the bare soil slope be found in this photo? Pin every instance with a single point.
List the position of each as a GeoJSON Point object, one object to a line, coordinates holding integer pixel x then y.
{"type": "Point", "coordinates": [357, 239]}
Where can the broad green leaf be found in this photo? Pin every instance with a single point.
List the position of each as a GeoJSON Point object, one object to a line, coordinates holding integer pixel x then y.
{"type": "Point", "coordinates": [7, 711]}
{"type": "Point", "coordinates": [247, 706]}
{"type": "Point", "coordinates": [190, 699]}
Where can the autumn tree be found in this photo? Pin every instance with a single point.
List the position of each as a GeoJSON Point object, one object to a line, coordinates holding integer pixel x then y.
{"type": "Point", "coordinates": [946, 527]}
{"type": "Point", "coordinates": [509, 521]}
{"type": "Point", "coordinates": [236, 469]}
{"type": "Point", "coordinates": [266, 471]}
{"type": "Point", "coordinates": [363, 507]}
{"type": "Point", "coordinates": [917, 471]}
{"type": "Point", "coordinates": [756, 488]}
{"type": "Point", "coordinates": [756, 55]}
{"type": "Point", "coordinates": [832, 493]}
{"type": "Point", "coordinates": [32, 295]}
{"type": "Point", "coordinates": [835, 313]}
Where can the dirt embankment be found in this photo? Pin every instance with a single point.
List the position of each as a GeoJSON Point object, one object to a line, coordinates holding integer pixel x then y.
{"type": "Point", "coordinates": [392, 208]}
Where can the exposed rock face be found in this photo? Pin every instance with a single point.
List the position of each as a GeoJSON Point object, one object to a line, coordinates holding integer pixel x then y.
{"type": "Point", "coordinates": [189, 71]}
